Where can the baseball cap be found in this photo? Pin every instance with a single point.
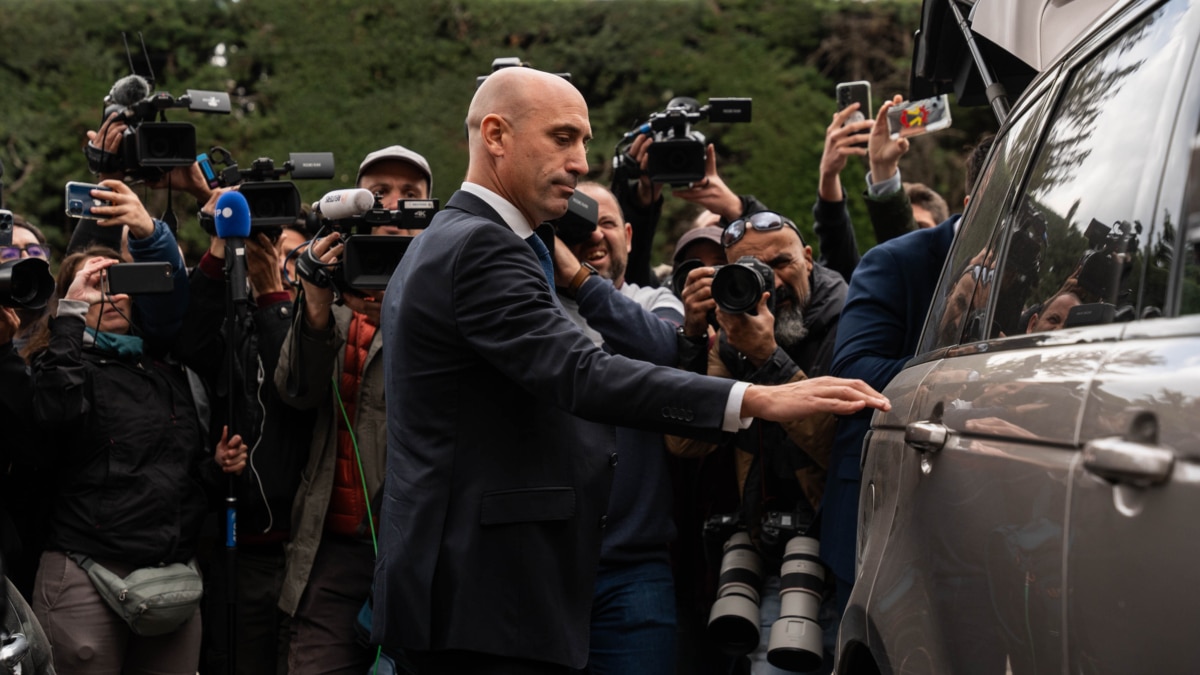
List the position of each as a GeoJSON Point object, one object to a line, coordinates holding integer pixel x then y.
{"type": "Point", "coordinates": [401, 153]}
{"type": "Point", "coordinates": [711, 233]}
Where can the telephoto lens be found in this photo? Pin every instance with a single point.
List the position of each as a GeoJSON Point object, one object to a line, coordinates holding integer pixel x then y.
{"type": "Point", "coordinates": [733, 622]}
{"type": "Point", "coordinates": [796, 636]}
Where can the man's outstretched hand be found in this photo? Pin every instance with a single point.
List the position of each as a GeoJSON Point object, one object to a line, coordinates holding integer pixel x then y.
{"type": "Point", "coordinates": [795, 400]}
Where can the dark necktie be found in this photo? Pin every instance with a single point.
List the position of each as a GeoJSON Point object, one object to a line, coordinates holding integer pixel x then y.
{"type": "Point", "coordinates": [543, 254]}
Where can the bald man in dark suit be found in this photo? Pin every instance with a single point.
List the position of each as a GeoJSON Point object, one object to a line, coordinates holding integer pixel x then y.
{"type": "Point", "coordinates": [496, 489]}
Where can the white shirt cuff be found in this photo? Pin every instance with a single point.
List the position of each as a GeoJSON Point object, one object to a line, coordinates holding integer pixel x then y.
{"type": "Point", "coordinates": [733, 409]}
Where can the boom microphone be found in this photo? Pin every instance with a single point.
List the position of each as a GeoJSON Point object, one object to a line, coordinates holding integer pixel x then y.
{"type": "Point", "coordinates": [341, 204]}
{"type": "Point", "coordinates": [233, 225]}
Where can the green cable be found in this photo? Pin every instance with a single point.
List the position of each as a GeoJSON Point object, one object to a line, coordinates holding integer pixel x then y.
{"type": "Point", "coordinates": [357, 458]}
{"type": "Point", "coordinates": [366, 493]}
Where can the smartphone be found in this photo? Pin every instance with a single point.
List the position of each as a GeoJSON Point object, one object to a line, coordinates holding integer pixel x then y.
{"type": "Point", "coordinates": [913, 118]}
{"type": "Point", "coordinates": [855, 92]}
{"type": "Point", "coordinates": [79, 200]}
{"type": "Point", "coordinates": [143, 277]}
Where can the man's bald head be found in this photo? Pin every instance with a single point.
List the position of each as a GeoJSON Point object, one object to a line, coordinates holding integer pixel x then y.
{"type": "Point", "coordinates": [528, 133]}
{"type": "Point", "coordinates": [511, 92]}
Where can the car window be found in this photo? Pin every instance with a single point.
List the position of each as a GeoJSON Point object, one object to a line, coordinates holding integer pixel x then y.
{"type": "Point", "coordinates": [1086, 246]}
{"type": "Point", "coordinates": [967, 280]}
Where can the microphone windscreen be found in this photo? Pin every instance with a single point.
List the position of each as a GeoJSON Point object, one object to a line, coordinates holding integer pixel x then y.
{"type": "Point", "coordinates": [341, 204]}
{"type": "Point", "coordinates": [232, 216]}
{"type": "Point", "coordinates": [129, 90]}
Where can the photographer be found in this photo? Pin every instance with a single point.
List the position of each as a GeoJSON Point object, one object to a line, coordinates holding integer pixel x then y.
{"type": "Point", "coordinates": [278, 436]}
{"type": "Point", "coordinates": [787, 337]}
{"type": "Point", "coordinates": [633, 617]}
{"type": "Point", "coordinates": [331, 558]}
{"type": "Point", "coordinates": [130, 465]}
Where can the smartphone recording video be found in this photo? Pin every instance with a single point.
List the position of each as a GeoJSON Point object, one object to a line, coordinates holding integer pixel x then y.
{"type": "Point", "coordinates": [80, 202]}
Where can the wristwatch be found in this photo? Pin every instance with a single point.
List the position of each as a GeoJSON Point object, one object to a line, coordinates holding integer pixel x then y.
{"type": "Point", "coordinates": [585, 271]}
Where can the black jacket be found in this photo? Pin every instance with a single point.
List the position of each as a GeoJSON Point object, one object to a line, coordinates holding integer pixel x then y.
{"type": "Point", "coordinates": [130, 462]}
{"type": "Point", "coordinates": [278, 435]}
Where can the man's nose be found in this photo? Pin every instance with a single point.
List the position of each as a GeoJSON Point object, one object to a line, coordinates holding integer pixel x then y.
{"type": "Point", "coordinates": [577, 164]}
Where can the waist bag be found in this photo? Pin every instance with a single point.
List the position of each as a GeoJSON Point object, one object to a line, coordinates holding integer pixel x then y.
{"type": "Point", "coordinates": [152, 600]}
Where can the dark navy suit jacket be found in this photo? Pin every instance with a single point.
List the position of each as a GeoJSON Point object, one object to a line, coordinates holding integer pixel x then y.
{"type": "Point", "coordinates": [496, 490]}
{"type": "Point", "coordinates": [889, 296]}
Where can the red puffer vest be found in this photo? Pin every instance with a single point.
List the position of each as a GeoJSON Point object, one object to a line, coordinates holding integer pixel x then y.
{"type": "Point", "coordinates": [347, 514]}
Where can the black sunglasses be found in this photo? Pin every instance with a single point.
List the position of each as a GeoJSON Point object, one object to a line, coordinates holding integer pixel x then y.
{"type": "Point", "coordinates": [763, 221]}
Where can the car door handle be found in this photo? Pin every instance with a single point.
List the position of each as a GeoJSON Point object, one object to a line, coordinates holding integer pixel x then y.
{"type": "Point", "coordinates": [926, 436]}
{"type": "Point", "coordinates": [1124, 461]}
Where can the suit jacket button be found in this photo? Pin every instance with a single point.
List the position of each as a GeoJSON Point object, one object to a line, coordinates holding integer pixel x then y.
{"type": "Point", "coordinates": [612, 459]}
{"type": "Point", "coordinates": [687, 416]}
{"type": "Point", "coordinates": [603, 521]}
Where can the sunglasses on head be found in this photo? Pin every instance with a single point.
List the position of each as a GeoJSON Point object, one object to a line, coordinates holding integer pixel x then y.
{"type": "Point", "coordinates": [764, 221]}
{"type": "Point", "coordinates": [9, 253]}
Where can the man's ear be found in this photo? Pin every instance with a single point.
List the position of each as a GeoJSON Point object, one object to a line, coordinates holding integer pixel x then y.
{"type": "Point", "coordinates": [493, 129]}
{"type": "Point", "coordinates": [628, 237]}
{"type": "Point", "coordinates": [808, 254]}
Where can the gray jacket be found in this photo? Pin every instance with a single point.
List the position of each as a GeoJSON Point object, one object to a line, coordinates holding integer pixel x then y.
{"type": "Point", "coordinates": [307, 365]}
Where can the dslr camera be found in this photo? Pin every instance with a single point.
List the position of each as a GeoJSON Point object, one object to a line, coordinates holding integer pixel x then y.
{"type": "Point", "coordinates": [273, 203]}
{"type": "Point", "coordinates": [678, 155]}
{"type": "Point", "coordinates": [25, 283]}
{"type": "Point", "coordinates": [738, 286]}
{"type": "Point", "coordinates": [368, 260]}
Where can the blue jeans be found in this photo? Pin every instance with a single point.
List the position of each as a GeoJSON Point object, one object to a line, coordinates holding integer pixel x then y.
{"type": "Point", "coordinates": [633, 621]}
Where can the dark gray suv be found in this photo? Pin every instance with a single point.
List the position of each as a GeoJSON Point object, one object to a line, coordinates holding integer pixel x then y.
{"type": "Point", "coordinates": [1026, 506]}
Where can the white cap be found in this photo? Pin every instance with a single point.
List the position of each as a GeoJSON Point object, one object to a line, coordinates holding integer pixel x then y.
{"type": "Point", "coordinates": [399, 153]}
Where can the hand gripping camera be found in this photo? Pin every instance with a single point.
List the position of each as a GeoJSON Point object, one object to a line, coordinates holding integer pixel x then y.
{"type": "Point", "coordinates": [678, 155]}
{"type": "Point", "coordinates": [25, 283]}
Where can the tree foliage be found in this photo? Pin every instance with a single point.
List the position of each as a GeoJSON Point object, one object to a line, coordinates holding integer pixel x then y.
{"type": "Point", "coordinates": [350, 77]}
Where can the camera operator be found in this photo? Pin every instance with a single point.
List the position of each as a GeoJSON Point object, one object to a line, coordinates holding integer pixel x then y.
{"type": "Point", "coordinates": [277, 434]}
{"type": "Point", "coordinates": [130, 464]}
{"type": "Point", "coordinates": [781, 467]}
{"type": "Point", "coordinates": [28, 241]}
{"type": "Point", "coordinates": [331, 558]}
{"type": "Point", "coordinates": [633, 612]}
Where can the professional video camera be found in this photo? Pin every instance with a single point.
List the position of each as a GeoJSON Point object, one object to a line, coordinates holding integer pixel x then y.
{"type": "Point", "coordinates": [678, 154]}
{"type": "Point", "coordinates": [367, 260]}
{"type": "Point", "coordinates": [25, 283]}
{"type": "Point", "coordinates": [579, 222]}
{"type": "Point", "coordinates": [149, 148]}
{"type": "Point", "coordinates": [1104, 268]}
{"type": "Point", "coordinates": [273, 202]}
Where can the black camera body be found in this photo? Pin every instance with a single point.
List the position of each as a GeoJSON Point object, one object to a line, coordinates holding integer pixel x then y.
{"type": "Point", "coordinates": [1105, 267]}
{"type": "Point", "coordinates": [678, 155]}
{"type": "Point", "coordinates": [738, 286]}
{"type": "Point", "coordinates": [25, 283]}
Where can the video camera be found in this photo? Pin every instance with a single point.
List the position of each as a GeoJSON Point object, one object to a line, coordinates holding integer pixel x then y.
{"type": "Point", "coordinates": [367, 260]}
{"type": "Point", "coordinates": [578, 223]}
{"type": "Point", "coordinates": [678, 155]}
{"type": "Point", "coordinates": [25, 283]}
{"type": "Point", "coordinates": [149, 148]}
{"type": "Point", "coordinates": [512, 62]}
{"type": "Point", "coordinates": [273, 203]}
{"type": "Point", "coordinates": [1104, 268]}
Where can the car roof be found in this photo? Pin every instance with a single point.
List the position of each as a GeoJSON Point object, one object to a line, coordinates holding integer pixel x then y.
{"type": "Point", "coordinates": [1017, 39]}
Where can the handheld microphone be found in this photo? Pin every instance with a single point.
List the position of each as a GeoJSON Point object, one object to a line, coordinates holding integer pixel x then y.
{"type": "Point", "coordinates": [233, 225]}
{"type": "Point", "coordinates": [341, 204]}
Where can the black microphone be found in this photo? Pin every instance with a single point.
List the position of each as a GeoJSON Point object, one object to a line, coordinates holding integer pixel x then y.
{"type": "Point", "coordinates": [233, 225]}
